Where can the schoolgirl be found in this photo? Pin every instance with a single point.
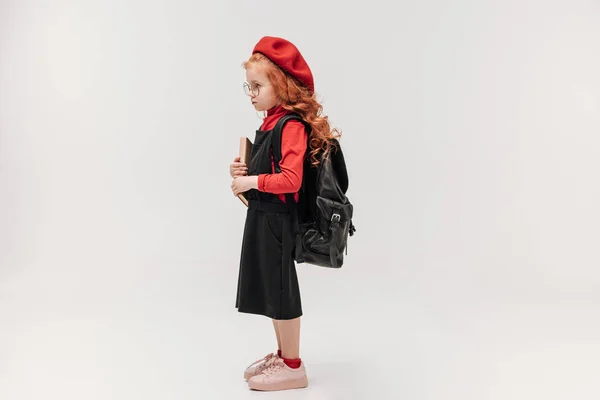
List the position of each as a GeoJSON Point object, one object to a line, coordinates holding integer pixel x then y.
{"type": "Point", "coordinates": [278, 82]}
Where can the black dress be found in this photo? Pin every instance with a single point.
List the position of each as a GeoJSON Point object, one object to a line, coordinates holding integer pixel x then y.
{"type": "Point", "coordinates": [267, 281]}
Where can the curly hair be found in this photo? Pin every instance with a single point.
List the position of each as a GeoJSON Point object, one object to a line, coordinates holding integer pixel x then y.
{"type": "Point", "coordinates": [297, 98]}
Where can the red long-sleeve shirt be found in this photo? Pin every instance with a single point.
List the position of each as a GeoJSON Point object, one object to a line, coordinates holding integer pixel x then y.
{"type": "Point", "coordinates": [293, 147]}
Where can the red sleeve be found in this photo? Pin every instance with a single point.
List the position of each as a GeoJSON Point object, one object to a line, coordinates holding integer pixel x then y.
{"type": "Point", "coordinates": [293, 146]}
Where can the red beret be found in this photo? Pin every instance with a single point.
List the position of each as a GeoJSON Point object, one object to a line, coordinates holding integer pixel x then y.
{"type": "Point", "coordinates": [287, 57]}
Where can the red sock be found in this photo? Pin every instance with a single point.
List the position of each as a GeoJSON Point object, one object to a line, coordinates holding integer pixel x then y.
{"type": "Point", "coordinates": [292, 362]}
{"type": "Point", "coordinates": [279, 353]}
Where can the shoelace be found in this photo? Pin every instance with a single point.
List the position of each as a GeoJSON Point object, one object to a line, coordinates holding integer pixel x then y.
{"type": "Point", "coordinates": [269, 362]}
{"type": "Point", "coordinates": [275, 364]}
{"type": "Point", "coordinates": [265, 358]}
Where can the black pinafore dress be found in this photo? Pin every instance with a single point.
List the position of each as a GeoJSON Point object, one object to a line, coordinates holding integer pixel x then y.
{"type": "Point", "coordinates": [267, 281]}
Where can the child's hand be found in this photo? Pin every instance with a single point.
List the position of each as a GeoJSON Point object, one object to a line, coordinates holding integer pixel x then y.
{"type": "Point", "coordinates": [242, 184]}
{"type": "Point", "coordinates": [237, 168]}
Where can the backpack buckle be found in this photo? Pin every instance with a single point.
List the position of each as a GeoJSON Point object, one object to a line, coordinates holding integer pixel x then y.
{"type": "Point", "coordinates": [352, 228]}
{"type": "Point", "coordinates": [335, 218]}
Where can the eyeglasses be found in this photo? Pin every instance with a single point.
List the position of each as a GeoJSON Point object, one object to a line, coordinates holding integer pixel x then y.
{"type": "Point", "coordinates": [252, 89]}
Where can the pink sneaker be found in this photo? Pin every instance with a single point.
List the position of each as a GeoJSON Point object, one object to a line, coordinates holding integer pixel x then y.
{"type": "Point", "coordinates": [259, 365]}
{"type": "Point", "coordinates": [278, 376]}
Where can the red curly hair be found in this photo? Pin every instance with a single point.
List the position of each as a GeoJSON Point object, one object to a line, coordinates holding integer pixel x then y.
{"type": "Point", "coordinates": [296, 97]}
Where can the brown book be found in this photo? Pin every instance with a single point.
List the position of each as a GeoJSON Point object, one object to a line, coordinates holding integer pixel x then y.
{"type": "Point", "coordinates": [245, 152]}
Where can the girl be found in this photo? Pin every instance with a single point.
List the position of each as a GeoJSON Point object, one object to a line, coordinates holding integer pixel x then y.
{"type": "Point", "coordinates": [279, 81]}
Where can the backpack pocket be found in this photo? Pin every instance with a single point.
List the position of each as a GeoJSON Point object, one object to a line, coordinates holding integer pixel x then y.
{"type": "Point", "coordinates": [333, 214]}
{"type": "Point", "coordinates": [326, 238]}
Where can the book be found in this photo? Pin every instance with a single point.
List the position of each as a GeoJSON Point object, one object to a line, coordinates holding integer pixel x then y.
{"type": "Point", "coordinates": [245, 152]}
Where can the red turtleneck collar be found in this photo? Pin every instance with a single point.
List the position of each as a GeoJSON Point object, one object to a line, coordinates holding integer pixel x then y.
{"type": "Point", "coordinates": [276, 110]}
{"type": "Point", "coordinates": [273, 116]}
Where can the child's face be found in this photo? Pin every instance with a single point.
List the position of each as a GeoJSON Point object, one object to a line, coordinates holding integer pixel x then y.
{"type": "Point", "coordinates": [259, 83]}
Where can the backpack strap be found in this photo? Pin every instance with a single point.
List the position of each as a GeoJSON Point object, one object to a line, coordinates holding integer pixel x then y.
{"type": "Point", "coordinates": [289, 197]}
{"type": "Point", "coordinates": [276, 137]}
{"type": "Point", "coordinates": [276, 142]}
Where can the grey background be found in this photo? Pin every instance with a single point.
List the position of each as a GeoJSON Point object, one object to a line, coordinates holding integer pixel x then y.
{"type": "Point", "coordinates": [471, 136]}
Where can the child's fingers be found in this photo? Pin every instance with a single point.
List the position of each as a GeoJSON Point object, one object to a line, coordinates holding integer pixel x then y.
{"type": "Point", "coordinates": [237, 159]}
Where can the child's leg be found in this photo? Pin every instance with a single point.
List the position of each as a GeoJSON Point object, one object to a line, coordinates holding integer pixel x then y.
{"type": "Point", "coordinates": [289, 330]}
{"type": "Point", "coordinates": [276, 326]}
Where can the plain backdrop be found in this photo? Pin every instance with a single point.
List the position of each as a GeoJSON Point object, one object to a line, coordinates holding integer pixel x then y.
{"type": "Point", "coordinates": [471, 133]}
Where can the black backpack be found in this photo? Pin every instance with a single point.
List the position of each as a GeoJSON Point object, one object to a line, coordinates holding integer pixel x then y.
{"type": "Point", "coordinates": [323, 216]}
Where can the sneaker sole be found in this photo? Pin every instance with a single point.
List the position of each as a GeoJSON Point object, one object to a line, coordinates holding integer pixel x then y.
{"type": "Point", "coordinates": [294, 384]}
